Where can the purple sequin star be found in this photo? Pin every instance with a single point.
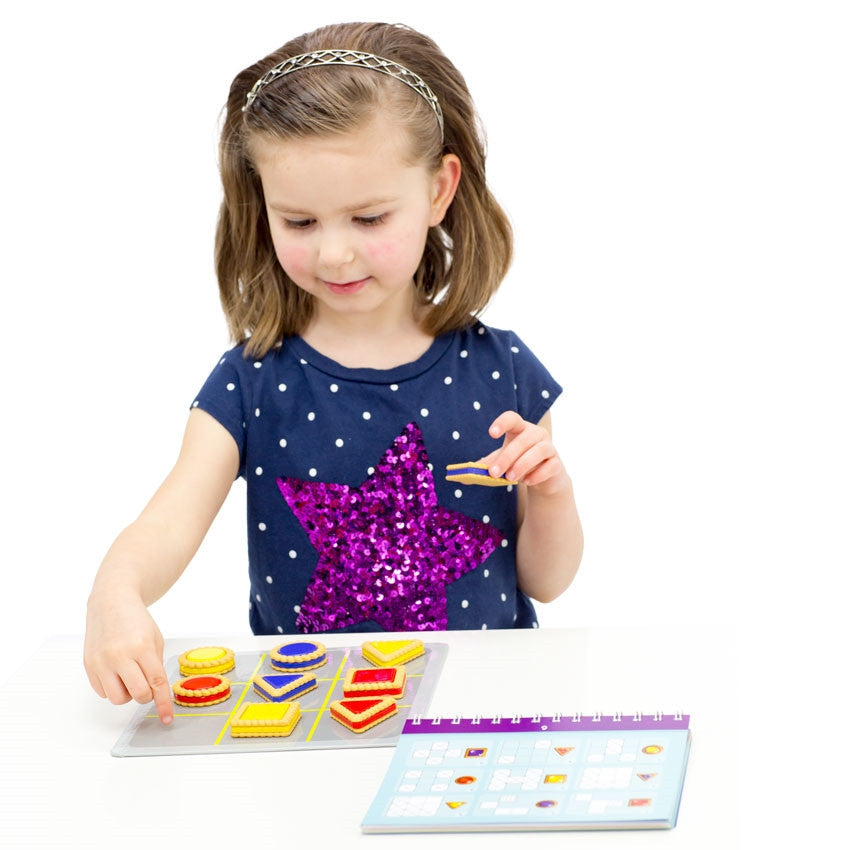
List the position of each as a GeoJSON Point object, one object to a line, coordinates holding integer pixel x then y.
{"type": "Point", "coordinates": [387, 550]}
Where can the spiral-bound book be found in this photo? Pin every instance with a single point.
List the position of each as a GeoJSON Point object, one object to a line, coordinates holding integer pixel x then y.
{"type": "Point", "coordinates": [555, 772]}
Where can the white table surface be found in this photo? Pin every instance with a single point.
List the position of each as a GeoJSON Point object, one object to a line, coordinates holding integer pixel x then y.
{"type": "Point", "coordinates": [60, 787]}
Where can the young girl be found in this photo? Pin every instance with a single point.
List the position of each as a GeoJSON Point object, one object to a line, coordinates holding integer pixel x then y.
{"type": "Point", "coordinates": [357, 240]}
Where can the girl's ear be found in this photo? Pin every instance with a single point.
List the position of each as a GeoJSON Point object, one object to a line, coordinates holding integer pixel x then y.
{"type": "Point", "coordinates": [444, 187]}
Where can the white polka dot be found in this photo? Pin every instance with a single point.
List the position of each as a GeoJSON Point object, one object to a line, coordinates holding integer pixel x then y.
{"type": "Point", "coordinates": [257, 364]}
{"type": "Point", "coordinates": [458, 493]}
{"type": "Point", "coordinates": [370, 470]}
{"type": "Point", "coordinates": [257, 597]}
{"type": "Point", "coordinates": [262, 526]}
{"type": "Point", "coordinates": [481, 331]}
{"type": "Point", "coordinates": [476, 405]}
{"type": "Point", "coordinates": [282, 387]}
{"type": "Point", "coordinates": [486, 573]}
{"type": "Point", "coordinates": [504, 598]}
{"type": "Point", "coordinates": [257, 412]}
{"type": "Point", "coordinates": [484, 626]}
{"type": "Point", "coordinates": [293, 553]}
{"type": "Point", "coordinates": [283, 443]}
{"type": "Point", "coordinates": [495, 376]}
{"type": "Point", "coordinates": [447, 380]}
{"type": "Point", "coordinates": [514, 349]}
{"type": "Point", "coordinates": [509, 488]}
{"type": "Point", "coordinates": [311, 416]}
{"type": "Point", "coordinates": [280, 629]}
{"type": "Point", "coordinates": [485, 518]}
{"type": "Point", "coordinates": [424, 411]}
{"type": "Point", "coordinates": [545, 393]}
{"type": "Point", "coordinates": [303, 362]}
{"type": "Point", "coordinates": [334, 388]}
{"type": "Point", "coordinates": [504, 544]}
{"type": "Point", "coordinates": [340, 442]}
{"type": "Point", "coordinates": [464, 604]}
{"type": "Point", "coordinates": [259, 470]}
{"type": "Point", "coordinates": [223, 359]}
{"type": "Point", "coordinates": [231, 387]}
{"type": "Point", "coordinates": [455, 435]}
{"type": "Point", "coordinates": [194, 404]}
{"type": "Point", "coordinates": [269, 579]}
{"type": "Point", "coordinates": [296, 609]}
{"type": "Point", "coordinates": [366, 414]}
{"type": "Point", "coordinates": [464, 353]}
{"type": "Point", "coordinates": [394, 387]}
{"type": "Point", "coordinates": [534, 625]}
{"type": "Point", "coordinates": [313, 473]}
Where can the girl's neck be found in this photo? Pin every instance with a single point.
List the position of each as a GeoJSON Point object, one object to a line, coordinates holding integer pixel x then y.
{"type": "Point", "coordinates": [356, 344]}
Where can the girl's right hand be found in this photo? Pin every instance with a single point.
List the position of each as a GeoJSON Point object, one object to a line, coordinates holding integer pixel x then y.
{"type": "Point", "coordinates": [123, 653]}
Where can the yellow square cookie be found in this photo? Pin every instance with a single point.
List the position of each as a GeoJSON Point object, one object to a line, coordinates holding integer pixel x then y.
{"type": "Point", "coordinates": [265, 720]}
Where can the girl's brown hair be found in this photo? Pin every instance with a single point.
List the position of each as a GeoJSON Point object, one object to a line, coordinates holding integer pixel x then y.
{"type": "Point", "coordinates": [465, 257]}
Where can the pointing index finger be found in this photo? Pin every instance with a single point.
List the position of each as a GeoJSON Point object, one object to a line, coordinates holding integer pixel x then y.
{"type": "Point", "coordinates": [158, 680]}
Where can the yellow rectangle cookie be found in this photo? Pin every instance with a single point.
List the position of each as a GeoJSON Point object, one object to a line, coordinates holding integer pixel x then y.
{"type": "Point", "coordinates": [389, 653]}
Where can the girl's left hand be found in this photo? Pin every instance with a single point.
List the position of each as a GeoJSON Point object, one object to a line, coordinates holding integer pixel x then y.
{"type": "Point", "coordinates": [527, 454]}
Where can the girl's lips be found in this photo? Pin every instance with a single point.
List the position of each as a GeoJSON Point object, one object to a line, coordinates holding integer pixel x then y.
{"type": "Point", "coordinates": [349, 287]}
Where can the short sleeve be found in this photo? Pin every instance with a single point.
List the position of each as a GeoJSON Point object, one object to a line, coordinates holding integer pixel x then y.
{"type": "Point", "coordinates": [536, 389]}
{"type": "Point", "coordinates": [225, 396]}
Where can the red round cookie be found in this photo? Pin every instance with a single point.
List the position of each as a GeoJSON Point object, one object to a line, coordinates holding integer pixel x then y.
{"type": "Point", "coordinates": [201, 690]}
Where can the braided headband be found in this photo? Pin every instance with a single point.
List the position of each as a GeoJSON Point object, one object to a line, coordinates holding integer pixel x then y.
{"type": "Point", "coordinates": [354, 59]}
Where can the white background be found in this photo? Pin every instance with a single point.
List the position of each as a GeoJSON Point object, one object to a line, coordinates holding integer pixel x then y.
{"type": "Point", "coordinates": [677, 176]}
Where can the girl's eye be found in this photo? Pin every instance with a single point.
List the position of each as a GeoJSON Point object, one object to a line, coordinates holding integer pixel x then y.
{"type": "Point", "coordinates": [371, 220]}
{"type": "Point", "coordinates": [303, 223]}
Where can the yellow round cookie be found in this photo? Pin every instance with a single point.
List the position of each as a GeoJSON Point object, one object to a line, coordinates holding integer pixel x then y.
{"type": "Point", "coordinates": [207, 659]}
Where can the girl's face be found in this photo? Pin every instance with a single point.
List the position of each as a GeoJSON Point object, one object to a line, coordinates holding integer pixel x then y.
{"type": "Point", "coordinates": [349, 216]}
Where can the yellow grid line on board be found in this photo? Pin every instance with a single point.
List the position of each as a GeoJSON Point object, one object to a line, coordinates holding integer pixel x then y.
{"type": "Point", "coordinates": [239, 701]}
{"type": "Point", "coordinates": [327, 696]}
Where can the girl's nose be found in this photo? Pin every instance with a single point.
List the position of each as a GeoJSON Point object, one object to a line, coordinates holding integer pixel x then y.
{"type": "Point", "coordinates": [335, 249]}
